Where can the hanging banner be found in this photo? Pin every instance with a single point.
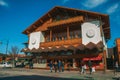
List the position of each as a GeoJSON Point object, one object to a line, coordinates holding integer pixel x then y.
{"type": "Point", "coordinates": [91, 32]}
{"type": "Point", "coordinates": [34, 40]}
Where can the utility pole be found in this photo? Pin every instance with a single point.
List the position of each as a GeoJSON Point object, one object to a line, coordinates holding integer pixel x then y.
{"type": "Point", "coordinates": [0, 42]}
{"type": "Point", "coordinates": [7, 47]}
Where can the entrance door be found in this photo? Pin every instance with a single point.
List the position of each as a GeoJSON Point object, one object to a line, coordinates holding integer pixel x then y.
{"type": "Point", "coordinates": [78, 62]}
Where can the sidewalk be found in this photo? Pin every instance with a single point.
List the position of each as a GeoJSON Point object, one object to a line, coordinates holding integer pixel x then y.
{"type": "Point", "coordinates": [99, 75]}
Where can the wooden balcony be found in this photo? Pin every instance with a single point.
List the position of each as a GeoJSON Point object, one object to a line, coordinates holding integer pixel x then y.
{"type": "Point", "coordinates": [67, 21]}
{"type": "Point", "coordinates": [61, 43]}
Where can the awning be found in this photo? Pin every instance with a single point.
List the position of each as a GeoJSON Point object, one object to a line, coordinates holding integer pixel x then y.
{"type": "Point", "coordinates": [66, 47]}
{"type": "Point", "coordinates": [93, 58]}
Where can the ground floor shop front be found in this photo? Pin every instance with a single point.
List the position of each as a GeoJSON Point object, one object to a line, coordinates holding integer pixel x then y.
{"type": "Point", "coordinates": [70, 60]}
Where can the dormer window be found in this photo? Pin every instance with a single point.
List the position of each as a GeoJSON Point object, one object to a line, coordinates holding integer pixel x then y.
{"type": "Point", "coordinates": [58, 18]}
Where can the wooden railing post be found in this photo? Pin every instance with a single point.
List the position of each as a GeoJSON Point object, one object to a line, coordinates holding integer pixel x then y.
{"type": "Point", "coordinates": [68, 33]}
{"type": "Point", "coordinates": [50, 35]}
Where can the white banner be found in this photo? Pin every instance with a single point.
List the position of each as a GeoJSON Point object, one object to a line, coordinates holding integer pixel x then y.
{"type": "Point", "coordinates": [34, 40]}
{"type": "Point", "coordinates": [91, 32]}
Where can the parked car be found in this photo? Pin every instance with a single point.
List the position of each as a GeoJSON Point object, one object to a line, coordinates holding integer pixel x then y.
{"type": "Point", "coordinates": [5, 65]}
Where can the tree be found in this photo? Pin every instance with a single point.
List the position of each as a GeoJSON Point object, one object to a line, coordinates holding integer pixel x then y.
{"type": "Point", "coordinates": [14, 53]}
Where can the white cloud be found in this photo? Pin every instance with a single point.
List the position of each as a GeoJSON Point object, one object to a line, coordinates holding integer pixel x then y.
{"type": "Point", "coordinates": [65, 1]}
{"type": "Point", "coordinates": [93, 3]}
{"type": "Point", "coordinates": [3, 3]}
{"type": "Point", "coordinates": [113, 8]}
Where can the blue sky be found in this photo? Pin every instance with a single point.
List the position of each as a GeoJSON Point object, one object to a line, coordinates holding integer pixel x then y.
{"type": "Point", "coordinates": [17, 15]}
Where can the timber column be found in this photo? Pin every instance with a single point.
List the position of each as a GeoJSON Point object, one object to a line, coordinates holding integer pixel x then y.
{"type": "Point", "coordinates": [104, 61]}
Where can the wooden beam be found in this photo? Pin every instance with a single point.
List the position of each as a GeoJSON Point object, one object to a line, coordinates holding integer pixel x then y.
{"type": "Point", "coordinates": [106, 28]}
{"type": "Point", "coordinates": [27, 31]}
{"type": "Point", "coordinates": [49, 15]}
{"type": "Point", "coordinates": [50, 35]}
{"type": "Point", "coordinates": [68, 32]}
{"type": "Point", "coordinates": [41, 21]}
{"type": "Point", "coordinates": [34, 26]}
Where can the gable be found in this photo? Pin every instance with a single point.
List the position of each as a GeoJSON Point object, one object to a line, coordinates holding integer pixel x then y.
{"type": "Point", "coordinates": [60, 13]}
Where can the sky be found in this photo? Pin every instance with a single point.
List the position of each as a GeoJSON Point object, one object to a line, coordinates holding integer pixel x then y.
{"type": "Point", "coordinates": [17, 15]}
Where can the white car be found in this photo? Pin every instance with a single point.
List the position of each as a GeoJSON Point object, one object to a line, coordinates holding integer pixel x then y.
{"type": "Point", "coordinates": [6, 65]}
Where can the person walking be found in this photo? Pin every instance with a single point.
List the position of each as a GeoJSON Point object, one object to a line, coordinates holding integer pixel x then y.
{"type": "Point", "coordinates": [116, 67]}
{"type": "Point", "coordinates": [90, 66]}
{"type": "Point", "coordinates": [51, 66]}
{"type": "Point", "coordinates": [55, 66]}
{"type": "Point", "coordinates": [59, 66]}
{"type": "Point", "coordinates": [31, 65]}
{"type": "Point", "coordinates": [68, 66]}
{"type": "Point", "coordinates": [83, 67]}
{"type": "Point", "coordinates": [62, 66]}
{"type": "Point", "coordinates": [79, 66]}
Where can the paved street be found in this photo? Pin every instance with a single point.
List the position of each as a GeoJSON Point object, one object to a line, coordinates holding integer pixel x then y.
{"type": "Point", "coordinates": [37, 74]}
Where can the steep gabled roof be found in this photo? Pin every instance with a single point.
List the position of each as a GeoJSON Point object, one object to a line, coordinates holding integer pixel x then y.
{"type": "Point", "coordinates": [74, 12]}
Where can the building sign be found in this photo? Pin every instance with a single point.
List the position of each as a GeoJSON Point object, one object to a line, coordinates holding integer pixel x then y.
{"type": "Point", "coordinates": [91, 32]}
{"type": "Point", "coordinates": [34, 40]}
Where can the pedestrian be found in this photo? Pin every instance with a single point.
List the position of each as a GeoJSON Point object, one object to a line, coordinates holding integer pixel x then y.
{"type": "Point", "coordinates": [80, 66]}
{"type": "Point", "coordinates": [68, 66]}
{"type": "Point", "coordinates": [93, 69]}
{"type": "Point", "coordinates": [83, 67]}
{"type": "Point", "coordinates": [31, 65]}
{"type": "Point", "coordinates": [22, 64]}
{"type": "Point", "coordinates": [116, 67]}
{"type": "Point", "coordinates": [55, 66]}
{"type": "Point", "coordinates": [59, 66]}
{"type": "Point", "coordinates": [90, 66]}
{"type": "Point", "coordinates": [62, 66]}
{"type": "Point", "coordinates": [51, 66]}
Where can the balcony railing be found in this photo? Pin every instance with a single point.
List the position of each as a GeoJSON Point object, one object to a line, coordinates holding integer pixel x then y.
{"type": "Point", "coordinates": [62, 42]}
{"type": "Point", "coordinates": [67, 21]}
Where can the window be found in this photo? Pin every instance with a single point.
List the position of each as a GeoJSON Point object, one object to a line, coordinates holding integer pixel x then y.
{"type": "Point", "coordinates": [79, 35]}
{"type": "Point", "coordinates": [47, 39]}
{"type": "Point", "coordinates": [41, 61]}
{"type": "Point", "coordinates": [57, 18]}
{"type": "Point", "coordinates": [53, 38]}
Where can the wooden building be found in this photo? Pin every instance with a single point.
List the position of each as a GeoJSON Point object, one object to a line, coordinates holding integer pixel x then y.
{"type": "Point", "coordinates": [117, 54]}
{"type": "Point", "coordinates": [61, 35]}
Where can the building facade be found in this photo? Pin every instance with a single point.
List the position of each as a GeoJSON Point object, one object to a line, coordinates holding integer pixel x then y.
{"type": "Point", "coordinates": [69, 35]}
{"type": "Point", "coordinates": [117, 52]}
